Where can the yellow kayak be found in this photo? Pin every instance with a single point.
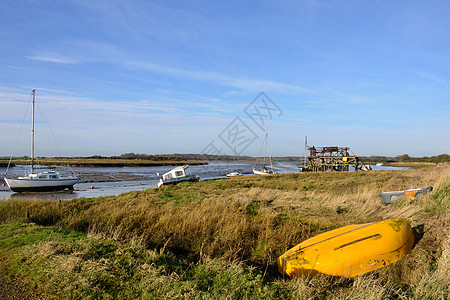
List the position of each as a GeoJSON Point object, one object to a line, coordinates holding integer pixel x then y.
{"type": "Point", "coordinates": [349, 251]}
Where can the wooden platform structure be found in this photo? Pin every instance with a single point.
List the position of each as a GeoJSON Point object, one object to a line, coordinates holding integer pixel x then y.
{"type": "Point", "coordinates": [331, 159]}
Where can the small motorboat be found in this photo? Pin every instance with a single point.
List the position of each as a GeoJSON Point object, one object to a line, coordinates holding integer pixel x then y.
{"type": "Point", "coordinates": [389, 197]}
{"type": "Point", "coordinates": [234, 174]}
{"type": "Point", "coordinates": [177, 175]}
{"type": "Point", "coordinates": [349, 251]}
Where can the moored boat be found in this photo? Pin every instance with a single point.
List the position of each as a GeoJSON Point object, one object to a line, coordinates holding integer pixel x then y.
{"type": "Point", "coordinates": [41, 181]}
{"type": "Point", "coordinates": [262, 168]}
{"type": "Point", "coordinates": [349, 251]}
{"type": "Point", "coordinates": [235, 172]}
{"type": "Point", "coordinates": [177, 175]}
{"type": "Point", "coordinates": [264, 171]}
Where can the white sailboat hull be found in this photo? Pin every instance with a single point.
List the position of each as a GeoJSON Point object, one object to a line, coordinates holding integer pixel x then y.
{"type": "Point", "coordinates": [263, 172]}
{"type": "Point", "coordinates": [43, 181]}
{"type": "Point", "coordinates": [40, 185]}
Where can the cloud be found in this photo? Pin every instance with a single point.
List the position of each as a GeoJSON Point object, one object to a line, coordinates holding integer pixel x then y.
{"type": "Point", "coordinates": [247, 84]}
{"type": "Point", "coordinates": [54, 58]}
{"type": "Point", "coordinates": [431, 76]}
{"type": "Point", "coordinates": [300, 120]}
{"type": "Point", "coordinates": [95, 52]}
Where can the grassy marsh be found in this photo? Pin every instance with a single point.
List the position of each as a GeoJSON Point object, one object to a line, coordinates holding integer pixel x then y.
{"type": "Point", "coordinates": [220, 239]}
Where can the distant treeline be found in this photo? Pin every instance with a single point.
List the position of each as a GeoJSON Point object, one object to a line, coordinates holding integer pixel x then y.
{"type": "Point", "coordinates": [207, 157]}
{"type": "Point", "coordinates": [433, 159]}
{"type": "Point", "coordinates": [406, 158]}
{"type": "Point", "coordinates": [175, 157]}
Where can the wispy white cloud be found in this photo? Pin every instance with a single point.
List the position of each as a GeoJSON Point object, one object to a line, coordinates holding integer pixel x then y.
{"type": "Point", "coordinates": [247, 84]}
{"type": "Point", "coordinates": [431, 76]}
{"type": "Point", "coordinates": [232, 93]}
{"type": "Point", "coordinates": [93, 52]}
{"type": "Point", "coordinates": [300, 120]}
{"type": "Point", "coordinates": [53, 58]}
{"type": "Point", "coordinates": [77, 120]}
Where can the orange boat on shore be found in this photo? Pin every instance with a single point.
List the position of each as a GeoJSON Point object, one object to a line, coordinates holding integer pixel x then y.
{"type": "Point", "coordinates": [349, 251]}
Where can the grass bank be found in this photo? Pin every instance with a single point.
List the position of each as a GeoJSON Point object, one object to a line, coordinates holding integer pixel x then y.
{"type": "Point", "coordinates": [220, 239]}
{"type": "Point", "coordinates": [414, 165]}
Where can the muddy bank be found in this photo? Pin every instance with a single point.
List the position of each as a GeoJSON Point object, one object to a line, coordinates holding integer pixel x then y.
{"type": "Point", "coordinates": [106, 177]}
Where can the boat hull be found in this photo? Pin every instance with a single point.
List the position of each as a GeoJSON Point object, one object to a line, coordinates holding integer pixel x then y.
{"type": "Point", "coordinates": [258, 172]}
{"type": "Point", "coordinates": [234, 174]}
{"type": "Point", "coordinates": [349, 251]}
{"type": "Point", "coordinates": [172, 181]}
{"type": "Point", "coordinates": [33, 185]}
{"type": "Point", "coordinates": [389, 197]}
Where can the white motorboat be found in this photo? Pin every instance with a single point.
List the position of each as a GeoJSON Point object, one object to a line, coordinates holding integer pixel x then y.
{"type": "Point", "coordinates": [177, 175]}
{"type": "Point", "coordinates": [262, 169]}
{"type": "Point", "coordinates": [234, 174]}
{"type": "Point", "coordinates": [41, 181]}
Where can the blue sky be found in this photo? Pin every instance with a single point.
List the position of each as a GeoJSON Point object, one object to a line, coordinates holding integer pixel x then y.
{"type": "Point", "coordinates": [172, 76]}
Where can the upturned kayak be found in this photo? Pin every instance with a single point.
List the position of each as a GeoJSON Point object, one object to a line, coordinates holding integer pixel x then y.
{"type": "Point", "coordinates": [389, 197]}
{"type": "Point", "coordinates": [349, 251]}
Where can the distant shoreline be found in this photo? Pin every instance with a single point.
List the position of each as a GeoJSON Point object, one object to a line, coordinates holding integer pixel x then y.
{"type": "Point", "coordinates": [105, 162]}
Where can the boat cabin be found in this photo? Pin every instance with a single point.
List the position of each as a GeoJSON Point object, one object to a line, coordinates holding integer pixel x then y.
{"type": "Point", "coordinates": [177, 175]}
{"type": "Point", "coordinates": [177, 172]}
{"type": "Point", "coordinates": [43, 175]}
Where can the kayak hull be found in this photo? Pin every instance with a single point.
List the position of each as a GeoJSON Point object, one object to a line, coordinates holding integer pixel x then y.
{"type": "Point", "coordinates": [389, 197]}
{"type": "Point", "coordinates": [349, 251]}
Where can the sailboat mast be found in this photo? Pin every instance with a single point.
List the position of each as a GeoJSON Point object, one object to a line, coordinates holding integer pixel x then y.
{"type": "Point", "coordinates": [265, 150]}
{"type": "Point", "coordinates": [32, 132]}
{"type": "Point", "coordinates": [306, 146]}
{"type": "Point", "coordinates": [234, 159]}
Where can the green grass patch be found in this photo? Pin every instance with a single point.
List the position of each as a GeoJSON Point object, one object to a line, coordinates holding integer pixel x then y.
{"type": "Point", "coordinates": [71, 265]}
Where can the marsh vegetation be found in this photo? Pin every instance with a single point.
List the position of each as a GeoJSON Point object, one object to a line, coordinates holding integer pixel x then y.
{"type": "Point", "coordinates": [221, 238]}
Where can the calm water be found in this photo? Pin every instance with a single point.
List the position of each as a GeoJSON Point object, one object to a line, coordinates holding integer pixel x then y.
{"type": "Point", "coordinates": [97, 181]}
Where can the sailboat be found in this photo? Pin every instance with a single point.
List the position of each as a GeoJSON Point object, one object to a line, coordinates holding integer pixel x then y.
{"type": "Point", "coordinates": [263, 169]}
{"type": "Point", "coordinates": [234, 173]}
{"type": "Point", "coordinates": [40, 181]}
